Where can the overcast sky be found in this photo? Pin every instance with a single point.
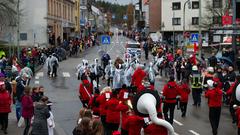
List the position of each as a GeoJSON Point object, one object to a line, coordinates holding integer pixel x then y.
{"type": "Point", "coordinates": [122, 2]}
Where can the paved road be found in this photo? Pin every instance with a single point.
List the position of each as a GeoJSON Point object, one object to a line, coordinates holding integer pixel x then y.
{"type": "Point", "coordinates": [63, 91]}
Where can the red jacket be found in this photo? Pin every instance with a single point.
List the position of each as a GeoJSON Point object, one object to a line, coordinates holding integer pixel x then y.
{"type": "Point", "coordinates": [170, 91]}
{"type": "Point", "coordinates": [94, 104]}
{"type": "Point", "coordinates": [238, 116]}
{"type": "Point", "coordinates": [214, 97]}
{"type": "Point", "coordinates": [5, 102]}
{"type": "Point", "coordinates": [219, 83]}
{"type": "Point", "coordinates": [184, 91]}
{"type": "Point", "coordinates": [134, 124]}
{"type": "Point", "coordinates": [85, 92]}
{"type": "Point", "coordinates": [27, 106]}
{"type": "Point", "coordinates": [138, 76]}
{"type": "Point", "coordinates": [102, 103]}
{"type": "Point", "coordinates": [142, 87]}
{"type": "Point", "coordinates": [154, 129]}
{"type": "Point", "coordinates": [122, 93]}
{"type": "Point", "coordinates": [123, 109]}
{"type": "Point", "coordinates": [113, 116]}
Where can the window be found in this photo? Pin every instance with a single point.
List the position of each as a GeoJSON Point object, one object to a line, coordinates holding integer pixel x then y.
{"type": "Point", "coordinates": [217, 20]}
{"type": "Point", "coordinates": [176, 6]}
{"type": "Point", "coordinates": [195, 5]}
{"type": "Point", "coordinates": [217, 3]}
{"type": "Point", "coordinates": [176, 21]}
{"type": "Point", "coordinates": [23, 36]}
{"type": "Point", "coordinates": [195, 21]}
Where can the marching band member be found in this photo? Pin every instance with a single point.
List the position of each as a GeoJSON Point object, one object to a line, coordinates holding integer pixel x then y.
{"type": "Point", "coordinates": [85, 92]}
{"type": "Point", "coordinates": [109, 71]}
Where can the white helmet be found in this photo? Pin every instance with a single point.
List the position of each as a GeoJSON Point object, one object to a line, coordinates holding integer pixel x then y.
{"type": "Point", "coordinates": [195, 68]}
{"type": "Point", "coordinates": [150, 64]}
{"type": "Point", "coordinates": [210, 69]}
{"type": "Point", "coordinates": [210, 83]}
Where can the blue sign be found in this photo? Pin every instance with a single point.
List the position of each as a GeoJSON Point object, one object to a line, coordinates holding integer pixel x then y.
{"type": "Point", "coordinates": [106, 40]}
{"type": "Point", "coordinates": [113, 16]}
{"type": "Point", "coordinates": [194, 37]}
{"type": "Point", "coordinates": [125, 17]}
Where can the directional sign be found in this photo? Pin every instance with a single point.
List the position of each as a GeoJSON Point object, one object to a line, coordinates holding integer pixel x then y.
{"type": "Point", "coordinates": [194, 38]}
{"type": "Point", "coordinates": [106, 40]}
{"type": "Point", "coordinates": [125, 17]}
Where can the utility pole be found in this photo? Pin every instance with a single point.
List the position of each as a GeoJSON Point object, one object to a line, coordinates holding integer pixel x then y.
{"type": "Point", "coordinates": [184, 10]}
{"type": "Point", "coordinates": [234, 29]}
{"type": "Point", "coordinates": [200, 29]}
{"type": "Point", "coordinates": [18, 29]}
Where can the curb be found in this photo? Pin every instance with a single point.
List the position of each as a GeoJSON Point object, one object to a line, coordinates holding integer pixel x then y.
{"type": "Point", "coordinates": [58, 130]}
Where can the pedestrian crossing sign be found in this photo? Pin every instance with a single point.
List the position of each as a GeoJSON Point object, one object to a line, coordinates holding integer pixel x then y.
{"type": "Point", "coordinates": [106, 40]}
{"type": "Point", "coordinates": [194, 37]}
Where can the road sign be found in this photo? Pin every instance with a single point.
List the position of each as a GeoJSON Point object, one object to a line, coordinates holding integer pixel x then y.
{"type": "Point", "coordinates": [113, 16]}
{"type": "Point", "coordinates": [194, 38]}
{"type": "Point", "coordinates": [125, 17]}
{"type": "Point", "coordinates": [106, 40]}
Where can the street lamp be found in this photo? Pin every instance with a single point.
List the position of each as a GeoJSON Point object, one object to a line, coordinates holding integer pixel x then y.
{"type": "Point", "coordinates": [184, 8]}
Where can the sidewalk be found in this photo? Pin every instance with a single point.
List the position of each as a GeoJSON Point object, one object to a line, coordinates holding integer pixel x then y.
{"type": "Point", "coordinates": [12, 124]}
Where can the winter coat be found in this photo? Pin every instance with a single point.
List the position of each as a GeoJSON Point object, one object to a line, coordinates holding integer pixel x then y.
{"type": "Point", "coordinates": [184, 91]}
{"type": "Point", "coordinates": [214, 97]}
{"type": "Point", "coordinates": [113, 116]}
{"type": "Point", "coordinates": [27, 107]}
{"type": "Point", "coordinates": [123, 109]}
{"type": "Point", "coordinates": [170, 92]}
{"type": "Point", "coordinates": [85, 92]}
{"type": "Point", "coordinates": [137, 77]}
{"type": "Point", "coordinates": [40, 125]}
{"type": "Point", "coordinates": [134, 124]}
{"type": "Point", "coordinates": [20, 88]}
{"type": "Point", "coordinates": [154, 129]}
{"type": "Point", "coordinates": [36, 97]}
{"type": "Point", "coordinates": [5, 102]}
{"type": "Point", "coordinates": [94, 105]}
{"type": "Point", "coordinates": [102, 100]}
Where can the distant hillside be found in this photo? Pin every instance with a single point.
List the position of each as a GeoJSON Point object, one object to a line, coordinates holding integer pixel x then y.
{"type": "Point", "coordinates": [118, 10]}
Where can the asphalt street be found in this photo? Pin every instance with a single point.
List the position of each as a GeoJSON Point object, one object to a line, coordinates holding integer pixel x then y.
{"type": "Point", "coordinates": [63, 92]}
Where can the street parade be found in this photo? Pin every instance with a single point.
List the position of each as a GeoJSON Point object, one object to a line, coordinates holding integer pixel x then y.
{"type": "Point", "coordinates": [120, 67]}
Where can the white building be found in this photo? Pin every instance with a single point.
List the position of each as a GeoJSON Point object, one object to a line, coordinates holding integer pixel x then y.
{"type": "Point", "coordinates": [173, 17]}
{"type": "Point", "coordinates": [33, 23]}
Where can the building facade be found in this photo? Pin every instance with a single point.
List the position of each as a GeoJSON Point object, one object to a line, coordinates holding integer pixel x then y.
{"type": "Point", "coordinates": [60, 19]}
{"type": "Point", "coordinates": [155, 15]}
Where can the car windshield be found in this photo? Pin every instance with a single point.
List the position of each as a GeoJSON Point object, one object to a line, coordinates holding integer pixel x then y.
{"type": "Point", "coordinates": [133, 46]}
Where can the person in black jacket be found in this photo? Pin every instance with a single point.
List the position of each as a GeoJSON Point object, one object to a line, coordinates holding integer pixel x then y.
{"type": "Point", "coordinates": [212, 60]}
{"type": "Point", "coordinates": [21, 84]}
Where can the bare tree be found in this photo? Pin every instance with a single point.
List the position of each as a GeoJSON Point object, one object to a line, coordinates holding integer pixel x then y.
{"type": "Point", "coordinates": [207, 19]}
{"type": "Point", "coordinates": [8, 12]}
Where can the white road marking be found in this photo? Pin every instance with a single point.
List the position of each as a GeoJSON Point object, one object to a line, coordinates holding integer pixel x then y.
{"type": "Point", "coordinates": [66, 74]}
{"type": "Point", "coordinates": [36, 77]}
{"type": "Point", "coordinates": [39, 74]}
{"type": "Point", "coordinates": [36, 82]}
{"type": "Point", "coordinates": [193, 132]}
{"type": "Point", "coordinates": [177, 122]}
{"type": "Point", "coordinates": [176, 133]}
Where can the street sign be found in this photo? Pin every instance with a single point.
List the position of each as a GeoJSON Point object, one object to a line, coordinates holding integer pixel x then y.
{"type": "Point", "coordinates": [194, 38]}
{"type": "Point", "coordinates": [113, 16]}
{"type": "Point", "coordinates": [125, 17]}
{"type": "Point", "coordinates": [106, 40]}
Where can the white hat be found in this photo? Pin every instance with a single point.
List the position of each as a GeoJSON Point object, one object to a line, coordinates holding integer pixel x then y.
{"type": "Point", "coordinates": [210, 69]}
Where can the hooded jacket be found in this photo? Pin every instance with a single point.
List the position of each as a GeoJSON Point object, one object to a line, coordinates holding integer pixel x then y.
{"type": "Point", "coordinates": [134, 124]}
{"type": "Point", "coordinates": [84, 91]}
{"type": "Point", "coordinates": [184, 91]}
{"type": "Point", "coordinates": [5, 102]}
{"type": "Point", "coordinates": [113, 116]}
{"type": "Point", "coordinates": [170, 92]}
{"type": "Point", "coordinates": [137, 77]}
{"type": "Point", "coordinates": [214, 97]}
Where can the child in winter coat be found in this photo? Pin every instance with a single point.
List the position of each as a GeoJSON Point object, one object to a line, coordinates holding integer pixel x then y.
{"type": "Point", "coordinates": [184, 91]}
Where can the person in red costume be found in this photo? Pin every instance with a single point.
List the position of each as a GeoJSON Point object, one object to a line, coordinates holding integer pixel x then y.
{"type": "Point", "coordinates": [93, 104]}
{"type": "Point", "coordinates": [170, 93]}
{"type": "Point", "coordinates": [123, 108]}
{"type": "Point", "coordinates": [154, 129]}
{"type": "Point", "coordinates": [134, 124]}
{"type": "Point", "coordinates": [113, 115]}
{"type": "Point", "coordinates": [138, 76]}
{"type": "Point", "coordinates": [238, 118]}
{"type": "Point", "coordinates": [184, 91]}
{"type": "Point", "coordinates": [5, 106]}
{"type": "Point", "coordinates": [102, 100]}
{"type": "Point", "coordinates": [85, 92]}
{"type": "Point", "coordinates": [214, 95]}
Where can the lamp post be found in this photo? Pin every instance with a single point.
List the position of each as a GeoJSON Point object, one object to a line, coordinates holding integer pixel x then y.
{"type": "Point", "coordinates": [234, 31]}
{"type": "Point", "coordinates": [200, 29]}
{"type": "Point", "coordinates": [18, 29]}
{"type": "Point", "coordinates": [184, 9]}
